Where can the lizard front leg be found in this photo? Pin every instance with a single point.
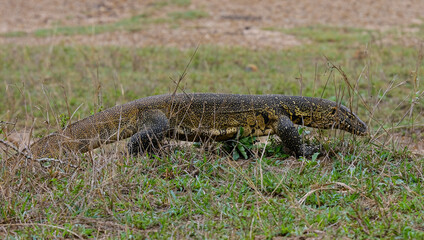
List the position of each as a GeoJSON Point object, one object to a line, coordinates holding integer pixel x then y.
{"type": "Point", "coordinates": [290, 137]}
{"type": "Point", "coordinates": [153, 125]}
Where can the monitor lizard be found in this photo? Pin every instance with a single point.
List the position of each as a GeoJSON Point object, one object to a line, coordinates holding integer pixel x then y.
{"type": "Point", "coordinates": [197, 116]}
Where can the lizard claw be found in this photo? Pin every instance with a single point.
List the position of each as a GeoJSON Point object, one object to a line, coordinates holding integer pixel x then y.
{"type": "Point", "coordinates": [308, 150]}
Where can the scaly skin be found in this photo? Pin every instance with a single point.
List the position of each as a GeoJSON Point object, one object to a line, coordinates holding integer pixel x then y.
{"type": "Point", "coordinates": [198, 116]}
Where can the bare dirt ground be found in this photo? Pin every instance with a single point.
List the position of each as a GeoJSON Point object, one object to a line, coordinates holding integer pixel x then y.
{"type": "Point", "coordinates": [231, 23]}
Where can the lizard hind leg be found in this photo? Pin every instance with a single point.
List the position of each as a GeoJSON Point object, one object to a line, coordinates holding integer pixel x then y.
{"type": "Point", "coordinates": [291, 139]}
{"type": "Point", "coordinates": [153, 126]}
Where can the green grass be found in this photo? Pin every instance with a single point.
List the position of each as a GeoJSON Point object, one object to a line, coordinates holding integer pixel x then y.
{"type": "Point", "coordinates": [125, 74]}
{"type": "Point", "coordinates": [186, 194]}
{"type": "Point", "coordinates": [368, 187]}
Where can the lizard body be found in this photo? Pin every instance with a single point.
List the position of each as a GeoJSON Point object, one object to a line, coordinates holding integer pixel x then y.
{"type": "Point", "coordinates": [199, 116]}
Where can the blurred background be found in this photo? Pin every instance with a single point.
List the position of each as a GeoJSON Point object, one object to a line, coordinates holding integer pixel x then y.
{"type": "Point", "coordinates": [188, 23]}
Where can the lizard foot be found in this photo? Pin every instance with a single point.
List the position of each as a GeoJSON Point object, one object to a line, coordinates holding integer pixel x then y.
{"type": "Point", "coordinates": [144, 141]}
{"type": "Point", "coordinates": [307, 150]}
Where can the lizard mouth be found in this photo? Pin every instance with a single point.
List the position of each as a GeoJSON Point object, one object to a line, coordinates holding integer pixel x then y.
{"type": "Point", "coordinates": [356, 125]}
{"type": "Point", "coordinates": [362, 133]}
{"type": "Point", "coordinates": [362, 130]}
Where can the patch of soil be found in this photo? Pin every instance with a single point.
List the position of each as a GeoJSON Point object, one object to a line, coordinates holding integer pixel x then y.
{"type": "Point", "coordinates": [29, 15]}
{"type": "Point", "coordinates": [230, 23]}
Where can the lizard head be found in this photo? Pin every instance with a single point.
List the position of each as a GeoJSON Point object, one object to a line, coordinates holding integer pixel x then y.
{"type": "Point", "coordinates": [324, 114]}
{"type": "Point", "coordinates": [342, 118]}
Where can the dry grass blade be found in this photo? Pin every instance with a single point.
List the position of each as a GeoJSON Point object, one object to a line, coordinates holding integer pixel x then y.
{"type": "Point", "coordinates": [323, 187]}
{"type": "Point", "coordinates": [42, 225]}
{"type": "Point", "coordinates": [183, 75]}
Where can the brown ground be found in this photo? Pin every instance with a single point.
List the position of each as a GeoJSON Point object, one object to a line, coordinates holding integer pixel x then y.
{"type": "Point", "coordinates": [235, 22]}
